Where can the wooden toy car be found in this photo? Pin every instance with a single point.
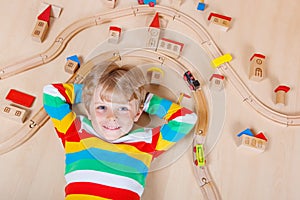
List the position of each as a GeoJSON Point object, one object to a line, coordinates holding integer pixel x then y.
{"type": "Point", "coordinates": [189, 78]}
{"type": "Point", "coordinates": [151, 3]}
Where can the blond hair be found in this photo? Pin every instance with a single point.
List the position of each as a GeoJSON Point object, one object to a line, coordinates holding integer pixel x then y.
{"type": "Point", "coordinates": [117, 84]}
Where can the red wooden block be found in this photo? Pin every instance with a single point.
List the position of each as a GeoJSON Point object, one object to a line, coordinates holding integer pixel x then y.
{"type": "Point", "coordinates": [45, 15]}
{"type": "Point", "coordinates": [20, 98]}
{"type": "Point", "coordinates": [261, 136]}
{"type": "Point", "coordinates": [155, 22]}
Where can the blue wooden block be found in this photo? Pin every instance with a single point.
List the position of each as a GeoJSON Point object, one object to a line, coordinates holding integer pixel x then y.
{"type": "Point", "coordinates": [246, 132]}
{"type": "Point", "coordinates": [201, 6]}
{"type": "Point", "coordinates": [74, 58]}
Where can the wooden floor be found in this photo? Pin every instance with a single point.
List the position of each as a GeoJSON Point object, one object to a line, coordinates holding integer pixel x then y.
{"type": "Point", "coordinates": [35, 170]}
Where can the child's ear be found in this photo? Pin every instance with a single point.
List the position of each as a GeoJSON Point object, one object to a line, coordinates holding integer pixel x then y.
{"type": "Point", "coordinates": [138, 114]}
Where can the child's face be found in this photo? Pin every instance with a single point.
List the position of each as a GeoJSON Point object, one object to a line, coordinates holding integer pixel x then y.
{"type": "Point", "coordinates": [113, 120]}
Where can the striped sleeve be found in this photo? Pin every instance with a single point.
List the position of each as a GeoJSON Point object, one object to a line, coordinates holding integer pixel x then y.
{"type": "Point", "coordinates": [180, 121]}
{"type": "Point", "coordinates": [58, 100]}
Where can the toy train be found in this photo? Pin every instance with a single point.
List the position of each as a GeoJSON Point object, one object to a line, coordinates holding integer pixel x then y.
{"type": "Point", "coordinates": [190, 79]}
{"type": "Point", "coordinates": [151, 3]}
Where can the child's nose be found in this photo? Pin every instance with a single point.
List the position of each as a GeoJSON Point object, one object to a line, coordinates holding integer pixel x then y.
{"type": "Point", "coordinates": [111, 115]}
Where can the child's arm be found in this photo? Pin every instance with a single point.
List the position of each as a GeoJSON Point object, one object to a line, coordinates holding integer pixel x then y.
{"type": "Point", "coordinates": [180, 121]}
{"type": "Point", "coordinates": [58, 100]}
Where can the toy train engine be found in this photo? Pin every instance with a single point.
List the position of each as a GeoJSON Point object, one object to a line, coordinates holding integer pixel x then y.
{"type": "Point", "coordinates": [190, 79]}
{"type": "Point", "coordinates": [151, 3]}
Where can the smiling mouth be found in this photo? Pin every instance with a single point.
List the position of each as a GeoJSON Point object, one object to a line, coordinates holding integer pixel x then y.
{"type": "Point", "coordinates": [112, 128]}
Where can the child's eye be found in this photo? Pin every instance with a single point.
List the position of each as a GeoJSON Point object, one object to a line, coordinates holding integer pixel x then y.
{"type": "Point", "coordinates": [101, 108]}
{"type": "Point", "coordinates": [123, 109]}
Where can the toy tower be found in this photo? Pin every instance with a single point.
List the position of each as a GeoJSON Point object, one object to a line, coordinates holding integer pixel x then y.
{"type": "Point", "coordinates": [257, 67]}
{"type": "Point", "coordinates": [42, 24]}
{"type": "Point", "coordinates": [153, 32]}
{"type": "Point", "coordinates": [281, 91]}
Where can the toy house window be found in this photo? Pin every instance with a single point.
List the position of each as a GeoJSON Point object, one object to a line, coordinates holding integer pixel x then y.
{"type": "Point", "coordinates": [258, 72]}
{"type": "Point", "coordinates": [175, 48]}
{"type": "Point", "coordinates": [18, 113]}
{"type": "Point", "coordinates": [217, 82]}
{"type": "Point", "coordinates": [169, 46]}
{"type": "Point", "coordinates": [41, 24]}
{"type": "Point", "coordinates": [258, 61]}
{"type": "Point", "coordinates": [7, 109]}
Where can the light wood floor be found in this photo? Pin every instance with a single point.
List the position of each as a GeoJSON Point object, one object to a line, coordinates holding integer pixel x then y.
{"type": "Point", "coordinates": [35, 169]}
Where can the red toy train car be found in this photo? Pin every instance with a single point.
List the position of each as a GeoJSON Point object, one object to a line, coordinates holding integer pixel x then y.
{"type": "Point", "coordinates": [190, 79]}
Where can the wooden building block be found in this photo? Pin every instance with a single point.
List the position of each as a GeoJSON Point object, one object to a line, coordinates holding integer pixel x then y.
{"type": "Point", "coordinates": [281, 91]}
{"type": "Point", "coordinates": [221, 21]}
{"type": "Point", "coordinates": [257, 67]}
{"type": "Point", "coordinates": [13, 112]}
{"type": "Point", "coordinates": [155, 75]}
{"type": "Point", "coordinates": [114, 34]}
{"type": "Point", "coordinates": [55, 10]}
{"type": "Point", "coordinates": [216, 82]}
{"type": "Point", "coordinates": [153, 33]}
{"type": "Point", "coordinates": [252, 143]}
{"type": "Point", "coordinates": [20, 98]}
{"type": "Point", "coordinates": [40, 31]}
{"type": "Point", "coordinates": [201, 5]}
{"type": "Point", "coordinates": [221, 60]}
{"type": "Point", "coordinates": [71, 66]}
{"type": "Point", "coordinates": [170, 47]}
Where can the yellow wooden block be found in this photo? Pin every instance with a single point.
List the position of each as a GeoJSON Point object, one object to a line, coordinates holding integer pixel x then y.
{"type": "Point", "coordinates": [221, 60]}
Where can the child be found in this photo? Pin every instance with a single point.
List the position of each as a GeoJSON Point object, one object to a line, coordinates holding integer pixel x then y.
{"type": "Point", "coordinates": [105, 159]}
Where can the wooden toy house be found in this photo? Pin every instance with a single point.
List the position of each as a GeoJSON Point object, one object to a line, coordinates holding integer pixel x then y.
{"type": "Point", "coordinates": [170, 47]}
{"type": "Point", "coordinates": [257, 67]}
{"type": "Point", "coordinates": [216, 82]}
{"type": "Point", "coordinates": [249, 141]}
{"type": "Point", "coordinates": [281, 91]}
{"type": "Point", "coordinates": [41, 27]}
{"type": "Point", "coordinates": [114, 34]}
{"type": "Point", "coordinates": [153, 33]}
{"type": "Point", "coordinates": [221, 21]}
{"type": "Point", "coordinates": [72, 64]}
{"type": "Point", "coordinates": [155, 75]}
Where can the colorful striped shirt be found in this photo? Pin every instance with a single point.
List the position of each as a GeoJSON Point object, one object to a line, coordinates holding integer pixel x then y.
{"type": "Point", "coordinates": [96, 169]}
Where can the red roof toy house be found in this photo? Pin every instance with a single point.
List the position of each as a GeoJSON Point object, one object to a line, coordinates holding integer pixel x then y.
{"type": "Point", "coordinates": [281, 91]}
{"type": "Point", "coordinates": [216, 82]}
{"type": "Point", "coordinates": [220, 21]}
{"type": "Point", "coordinates": [153, 32]}
{"type": "Point", "coordinates": [257, 67]}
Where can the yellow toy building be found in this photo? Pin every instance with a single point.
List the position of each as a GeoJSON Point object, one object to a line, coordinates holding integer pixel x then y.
{"type": "Point", "coordinates": [257, 67]}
